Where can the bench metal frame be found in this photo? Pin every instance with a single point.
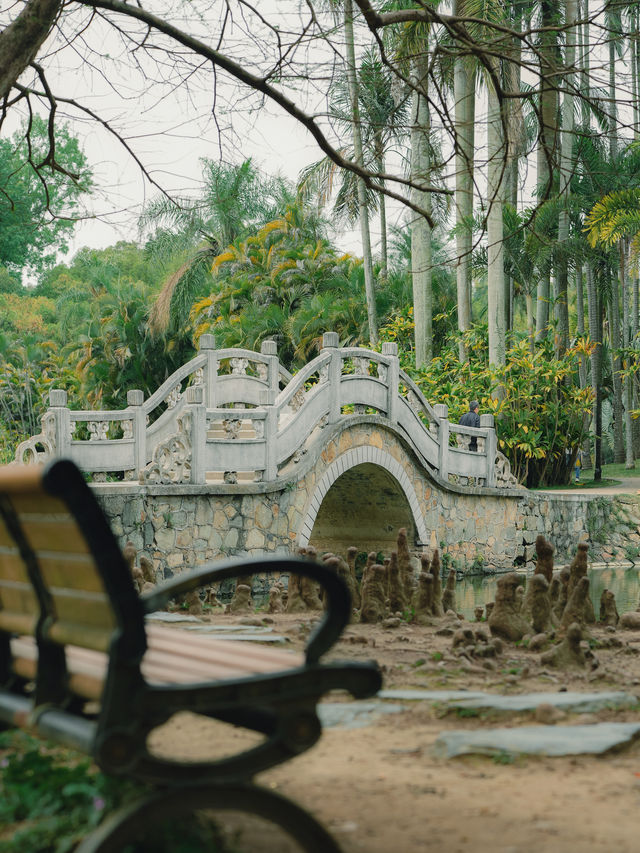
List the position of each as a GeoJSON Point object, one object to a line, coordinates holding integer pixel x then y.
{"type": "Point", "coordinates": [281, 705]}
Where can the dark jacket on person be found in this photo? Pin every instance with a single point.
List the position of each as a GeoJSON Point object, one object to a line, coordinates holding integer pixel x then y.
{"type": "Point", "coordinates": [471, 419]}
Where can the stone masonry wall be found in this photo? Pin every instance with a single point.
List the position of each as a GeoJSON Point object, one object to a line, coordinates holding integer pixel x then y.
{"type": "Point", "coordinates": [179, 527]}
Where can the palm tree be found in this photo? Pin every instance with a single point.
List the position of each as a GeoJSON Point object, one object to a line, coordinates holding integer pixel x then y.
{"type": "Point", "coordinates": [190, 232]}
{"type": "Point", "coordinates": [359, 159]}
{"type": "Point", "coordinates": [383, 120]}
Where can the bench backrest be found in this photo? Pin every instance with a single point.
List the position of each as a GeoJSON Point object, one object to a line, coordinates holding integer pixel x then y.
{"type": "Point", "coordinates": [63, 578]}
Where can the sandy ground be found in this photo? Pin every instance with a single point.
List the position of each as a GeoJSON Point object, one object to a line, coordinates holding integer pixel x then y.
{"type": "Point", "coordinates": [381, 789]}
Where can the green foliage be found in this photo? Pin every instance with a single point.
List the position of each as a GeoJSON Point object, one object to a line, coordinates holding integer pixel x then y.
{"type": "Point", "coordinates": [36, 221]}
{"type": "Point", "coordinates": [286, 284]}
{"type": "Point", "coordinates": [535, 398]}
{"type": "Point", "coordinates": [54, 797]}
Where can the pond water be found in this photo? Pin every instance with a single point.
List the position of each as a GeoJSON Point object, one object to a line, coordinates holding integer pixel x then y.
{"type": "Point", "coordinates": [624, 581]}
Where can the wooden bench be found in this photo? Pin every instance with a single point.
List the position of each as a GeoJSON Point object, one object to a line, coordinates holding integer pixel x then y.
{"type": "Point", "coordinates": [80, 666]}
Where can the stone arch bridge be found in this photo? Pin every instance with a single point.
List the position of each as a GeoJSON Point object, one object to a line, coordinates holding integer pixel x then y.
{"type": "Point", "coordinates": [233, 454]}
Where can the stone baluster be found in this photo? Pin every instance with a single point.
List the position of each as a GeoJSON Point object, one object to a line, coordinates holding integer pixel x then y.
{"type": "Point", "coordinates": [330, 341]}
{"type": "Point", "coordinates": [270, 349]}
{"type": "Point", "coordinates": [490, 448]}
{"type": "Point", "coordinates": [390, 349]}
{"type": "Point", "coordinates": [196, 409]}
{"type": "Point", "coordinates": [270, 431]}
{"type": "Point", "coordinates": [442, 411]}
{"type": "Point", "coordinates": [62, 420]}
{"type": "Point", "coordinates": [135, 399]}
{"type": "Point", "coordinates": [208, 347]}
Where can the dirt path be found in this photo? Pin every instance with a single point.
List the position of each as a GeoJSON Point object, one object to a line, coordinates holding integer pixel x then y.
{"type": "Point", "coordinates": [627, 486]}
{"type": "Point", "coordinates": [381, 788]}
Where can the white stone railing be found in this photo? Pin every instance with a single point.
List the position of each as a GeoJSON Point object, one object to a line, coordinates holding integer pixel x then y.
{"type": "Point", "coordinates": [235, 415]}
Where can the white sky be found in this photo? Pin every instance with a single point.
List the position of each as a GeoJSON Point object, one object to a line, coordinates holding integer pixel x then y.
{"type": "Point", "coordinates": [170, 124]}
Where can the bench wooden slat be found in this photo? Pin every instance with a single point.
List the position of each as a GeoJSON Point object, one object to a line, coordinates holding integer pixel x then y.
{"type": "Point", "coordinates": [12, 567]}
{"type": "Point", "coordinates": [19, 608]}
{"type": "Point", "coordinates": [201, 644]}
{"type": "Point", "coordinates": [74, 571]}
{"type": "Point", "coordinates": [172, 658]}
{"type": "Point", "coordinates": [39, 503]}
{"type": "Point", "coordinates": [50, 534]}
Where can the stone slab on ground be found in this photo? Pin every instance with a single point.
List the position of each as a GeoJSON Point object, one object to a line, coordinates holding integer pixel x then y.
{"type": "Point", "coordinates": [428, 695]}
{"type": "Point", "coordinates": [594, 739]}
{"type": "Point", "coordinates": [564, 700]}
{"type": "Point", "coordinates": [165, 616]}
{"type": "Point", "coordinates": [354, 715]}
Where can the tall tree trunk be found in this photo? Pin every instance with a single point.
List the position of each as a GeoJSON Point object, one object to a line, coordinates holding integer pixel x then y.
{"type": "Point", "coordinates": [633, 56]}
{"type": "Point", "coordinates": [627, 380]}
{"type": "Point", "coordinates": [365, 232]}
{"type": "Point", "coordinates": [382, 204]}
{"type": "Point", "coordinates": [464, 95]}
{"type": "Point", "coordinates": [635, 284]}
{"type": "Point", "coordinates": [566, 171]}
{"type": "Point", "coordinates": [585, 55]}
{"type": "Point", "coordinates": [595, 333]}
{"type": "Point", "coordinates": [547, 140]}
{"type": "Point", "coordinates": [582, 365]}
{"type": "Point", "coordinates": [496, 157]}
{"type": "Point", "coordinates": [613, 112]}
{"type": "Point", "coordinates": [421, 250]}
{"type": "Point", "coordinates": [614, 335]}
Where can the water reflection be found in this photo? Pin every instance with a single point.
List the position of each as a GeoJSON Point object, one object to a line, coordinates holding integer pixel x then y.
{"type": "Point", "coordinates": [624, 581]}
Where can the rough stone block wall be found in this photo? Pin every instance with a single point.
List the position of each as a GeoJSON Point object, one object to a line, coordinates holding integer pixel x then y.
{"type": "Point", "coordinates": [181, 527]}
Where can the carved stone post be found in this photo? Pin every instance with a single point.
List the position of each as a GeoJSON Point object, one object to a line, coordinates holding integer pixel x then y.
{"type": "Point", "coordinates": [208, 347]}
{"type": "Point", "coordinates": [196, 410]}
{"type": "Point", "coordinates": [390, 348]}
{"type": "Point", "coordinates": [270, 435]}
{"type": "Point", "coordinates": [270, 349]}
{"type": "Point", "coordinates": [490, 448]}
{"type": "Point", "coordinates": [330, 341]}
{"type": "Point", "coordinates": [442, 411]}
{"type": "Point", "coordinates": [135, 399]}
{"type": "Point", "coordinates": [62, 420]}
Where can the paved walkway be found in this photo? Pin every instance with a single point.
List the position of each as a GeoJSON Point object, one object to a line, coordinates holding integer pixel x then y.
{"type": "Point", "coordinates": [627, 486]}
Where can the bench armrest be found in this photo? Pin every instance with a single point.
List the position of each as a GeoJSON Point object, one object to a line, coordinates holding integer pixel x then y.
{"type": "Point", "coordinates": [336, 616]}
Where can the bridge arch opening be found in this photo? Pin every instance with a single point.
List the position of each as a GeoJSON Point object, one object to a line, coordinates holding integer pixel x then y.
{"type": "Point", "coordinates": [365, 506]}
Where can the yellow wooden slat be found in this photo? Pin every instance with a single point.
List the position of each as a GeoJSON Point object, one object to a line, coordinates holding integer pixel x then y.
{"type": "Point", "coordinates": [17, 598]}
{"type": "Point", "coordinates": [6, 541]}
{"type": "Point", "coordinates": [79, 609]}
{"type": "Point", "coordinates": [19, 623]}
{"type": "Point", "coordinates": [54, 535]}
{"type": "Point", "coordinates": [21, 479]}
{"type": "Point", "coordinates": [39, 503]}
{"type": "Point", "coordinates": [12, 567]}
{"type": "Point", "coordinates": [70, 571]}
{"type": "Point", "coordinates": [87, 636]}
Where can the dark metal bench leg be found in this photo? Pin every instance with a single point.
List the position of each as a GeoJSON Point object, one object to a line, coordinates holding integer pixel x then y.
{"type": "Point", "coordinates": [122, 827]}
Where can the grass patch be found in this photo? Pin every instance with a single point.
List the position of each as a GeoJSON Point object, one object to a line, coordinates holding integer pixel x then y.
{"type": "Point", "coordinates": [51, 798]}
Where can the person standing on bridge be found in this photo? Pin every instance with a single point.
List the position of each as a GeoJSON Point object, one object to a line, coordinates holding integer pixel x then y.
{"type": "Point", "coordinates": [472, 419]}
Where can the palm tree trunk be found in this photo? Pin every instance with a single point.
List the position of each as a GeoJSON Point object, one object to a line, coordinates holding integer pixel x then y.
{"type": "Point", "coordinates": [562, 272]}
{"type": "Point", "coordinates": [421, 250]}
{"type": "Point", "coordinates": [547, 140]}
{"type": "Point", "coordinates": [496, 157]}
{"type": "Point", "coordinates": [582, 364]}
{"type": "Point", "coordinates": [614, 335]}
{"type": "Point", "coordinates": [382, 206]}
{"type": "Point", "coordinates": [585, 84]}
{"type": "Point", "coordinates": [613, 112]}
{"type": "Point", "coordinates": [464, 95]}
{"type": "Point", "coordinates": [627, 380]}
{"type": "Point", "coordinates": [359, 159]}
{"type": "Point", "coordinates": [633, 51]}
{"type": "Point", "coordinates": [595, 333]}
